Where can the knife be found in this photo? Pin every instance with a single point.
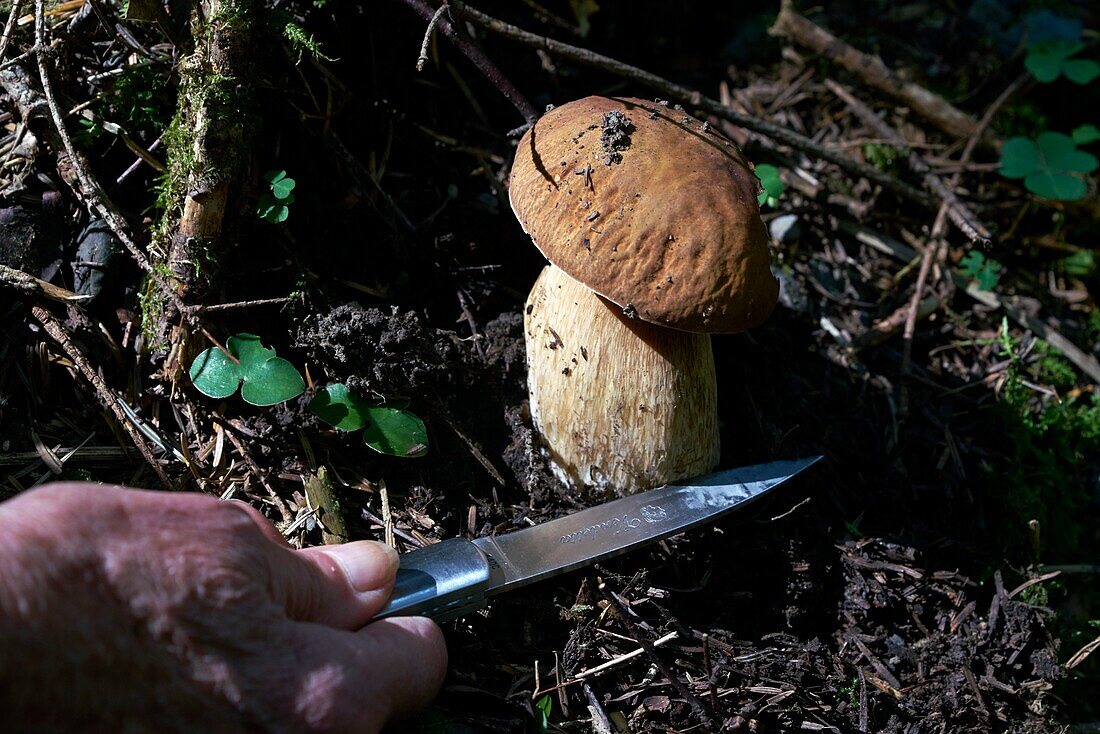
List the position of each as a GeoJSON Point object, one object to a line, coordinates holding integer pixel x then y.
{"type": "Point", "coordinates": [457, 576]}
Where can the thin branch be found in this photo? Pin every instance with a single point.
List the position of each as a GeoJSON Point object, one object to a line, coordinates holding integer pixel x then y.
{"type": "Point", "coordinates": [959, 214]}
{"type": "Point", "coordinates": [693, 97]}
{"type": "Point", "coordinates": [872, 71]}
{"type": "Point", "coordinates": [480, 60]}
{"type": "Point", "coordinates": [106, 397]}
{"type": "Point", "coordinates": [428, 37]}
{"type": "Point", "coordinates": [12, 17]}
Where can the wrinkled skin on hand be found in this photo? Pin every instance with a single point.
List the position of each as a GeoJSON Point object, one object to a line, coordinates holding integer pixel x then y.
{"type": "Point", "coordinates": [131, 611]}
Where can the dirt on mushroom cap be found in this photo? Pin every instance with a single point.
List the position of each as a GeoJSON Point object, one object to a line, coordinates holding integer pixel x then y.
{"type": "Point", "coordinates": [669, 229]}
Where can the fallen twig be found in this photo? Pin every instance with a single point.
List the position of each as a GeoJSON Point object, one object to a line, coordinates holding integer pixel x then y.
{"type": "Point", "coordinates": [873, 72]}
{"type": "Point", "coordinates": [693, 97]}
{"type": "Point", "coordinates": [488, 69]}
{"type": "Point", "coordinates": [106, 396]}
{"type": "Point", "coordinates": [959, 214]}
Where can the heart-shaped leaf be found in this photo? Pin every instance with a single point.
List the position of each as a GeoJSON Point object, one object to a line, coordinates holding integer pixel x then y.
{"type": "Point", "coordinates": [282, 188]}
{"type": "Point", "coordinates": [214, 374]}
{"type": "Point", "coordinates": [770, 182]}
{"type": "Point", "coordinates": [273, 381]}
{"type": "Point", "coordinates": [1080, 71]}
{"type": "Point", "coordinates": [1056, 186]}
{"type": "Point", "coordinates": [341, 408]}
{"type": "Point", "coordinates": [1048, 165]}
{"type": "Point", "coordinates": [389, 430]}
{"type": "Point", "coordinates": [267, 379]}
{"type": "Point", "coordinates": [396, 432]}
{"type": "Point", "coordinates": [1049, 59]}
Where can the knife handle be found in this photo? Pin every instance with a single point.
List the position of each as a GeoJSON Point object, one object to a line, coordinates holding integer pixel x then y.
{"type": "Point", "coordinates": [442, 581]}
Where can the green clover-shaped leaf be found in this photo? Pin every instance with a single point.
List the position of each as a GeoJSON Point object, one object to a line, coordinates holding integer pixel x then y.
{"type": "Point", "coordinates": [1051, 58]}
{"type": "Point", "coordinates": [1081, 263]}
{"type": "Point", "coordinates": [771, 183]}
{"type": "Point", "coordinates": [274, 205]}
{"type": "Point", "coordinates": [1048, 165]}
{"type": "Point", "coordinates": [341, 408]}
{"type": "Point", "coordinates": [267, 379]}
{"type": "Point", "coordinates": [389, 430]}
{"type": "Point", "coordinates": [396, 432]}
{"type": "Point", "coordinates": [281, 189]}
{"type": "Point", "coordinates": [1085, 134]}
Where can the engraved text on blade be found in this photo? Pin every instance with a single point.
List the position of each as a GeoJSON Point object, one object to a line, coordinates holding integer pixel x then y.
{"type": "Point", "coordinates": [616, 525]}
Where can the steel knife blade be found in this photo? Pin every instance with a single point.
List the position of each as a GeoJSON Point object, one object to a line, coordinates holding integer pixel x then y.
{"type": "Point", "coordinates": [456, 576]}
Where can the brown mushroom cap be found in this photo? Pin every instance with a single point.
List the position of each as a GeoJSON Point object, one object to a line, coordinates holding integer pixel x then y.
{"type": "Point", "coordinates": [655, 212]}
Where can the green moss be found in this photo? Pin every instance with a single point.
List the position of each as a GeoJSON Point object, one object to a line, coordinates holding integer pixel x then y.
{"type": "Point", "coordinates": [883, 157]}
{"type": "Point", "coordinates": [1050, 442]}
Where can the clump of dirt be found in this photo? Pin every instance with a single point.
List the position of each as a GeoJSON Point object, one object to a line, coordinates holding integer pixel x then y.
{"type": "Point", "coordinates": [504, 351]}
{"type": "Point", "coordinates": [615, 136]}
{"type": "Point", "coordinates": [377, 352]}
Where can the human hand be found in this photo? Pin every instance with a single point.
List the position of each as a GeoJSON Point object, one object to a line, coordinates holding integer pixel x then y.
{"type": "Point", "coordinates": [129, 611]}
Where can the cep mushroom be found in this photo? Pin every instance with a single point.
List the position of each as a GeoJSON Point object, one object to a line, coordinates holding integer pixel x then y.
{"type": "Point", "coordinates": [651, 225]}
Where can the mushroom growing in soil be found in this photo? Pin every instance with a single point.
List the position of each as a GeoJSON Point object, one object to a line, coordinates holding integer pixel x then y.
{"type": "Point", "coordinates": [652, 228]}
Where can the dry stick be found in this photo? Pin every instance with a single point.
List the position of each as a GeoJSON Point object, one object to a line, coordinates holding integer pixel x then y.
{"type": "Point", "coordinates": [12, 16]}
{"type": "Point", "coordinates": [600, 723]}
{"type": "Point", "coordinates": [887, 327]}
{"type": "Point", "coordinates": [960, 215]}
{"type": "Point", "coordinates": [284, 513]}
{"type": "Point", "coordinates": [938, 243]}
{"type": "Point", "coordinates": [106, 397]}
{"type": "Point", "coordinates": [932, 249]}
{"type": "Point", "coordinates": [241, 304]}
{"type": "Point", "coordinates": [90, 194]}
{"type": "Point", "coordinates": [21, 281]}
{"type": "Point", "coordinates": [873, 72]}
{"type": "Point", "coordinates": [641, 636]}
{"type": "Point", "coordinates": [479, 59]}
{"type": "Point", "coordinates": [428, 37]}
{"type": "Point", "coordinates": [711, 106]}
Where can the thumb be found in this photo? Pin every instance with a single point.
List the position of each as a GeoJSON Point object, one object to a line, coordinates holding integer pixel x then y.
{"type": "Point", "coordinates": [341, 586]}
{"type": "Point", "coordinates": [359, 681]}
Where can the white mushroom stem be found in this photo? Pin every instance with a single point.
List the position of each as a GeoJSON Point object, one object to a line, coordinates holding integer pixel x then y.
{"type": "Point", "coordinates": [623, 405]}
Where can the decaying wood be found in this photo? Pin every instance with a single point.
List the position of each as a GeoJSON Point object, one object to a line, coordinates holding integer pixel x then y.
{"type": "Point", "coordinates": [622, 404]}
{"type": "Point", "coordinates": [21, 281]}
{"type": "Point", "coordinates": [872, 71]}
{"type": "Point", "coordinates": [208, 150]}
{"type": "Point", "coordinates": [319, 493]}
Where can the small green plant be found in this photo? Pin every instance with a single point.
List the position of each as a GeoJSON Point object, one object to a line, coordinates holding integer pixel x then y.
{"type": "Point", "coordinates": [1051, 166]}
{"type": "Point", "coordinates": [387, 430]}
{"type": "Point", "coordinates": [986, 272]}
{"type": "Point", "coordinates": [1043, 435]}
{"type": "Point", "coordinates": [264, 379]}
{"type": "Point", "coordinates": [274, 205]}
{"type": "Point", "coordinates": [1051, 58]}
{"type": "Point", "coordinates": [300, 39]}
{"type": "Point", "coordinates": [543, 707]}
{"type": "Point", "coordinates": [1085, 134]}
{"type": "Point", "coordinates": [882, 156]}
{"type": "Point", "coordinates": [771, 183]}
{"type": "Point", "coordinates": [1081, 263]}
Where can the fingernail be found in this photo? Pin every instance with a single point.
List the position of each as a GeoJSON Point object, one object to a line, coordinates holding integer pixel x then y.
{"type": "Point", "coordinates": [368, 565]}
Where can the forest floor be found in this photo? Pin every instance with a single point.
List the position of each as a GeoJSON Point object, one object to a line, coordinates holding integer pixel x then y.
{"type": "Point", "coordinates": [936, 341]}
